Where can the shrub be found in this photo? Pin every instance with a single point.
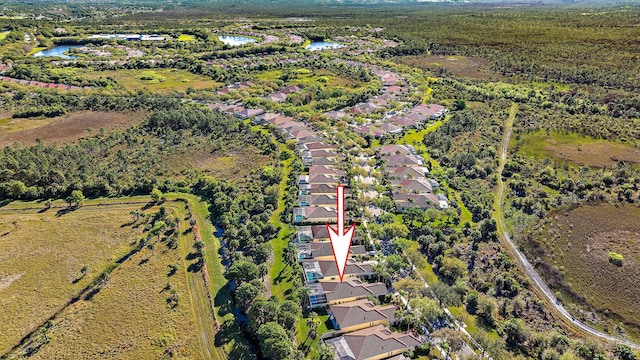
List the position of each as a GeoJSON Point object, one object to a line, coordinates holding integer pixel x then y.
{"type": "Point", "coordinates": [615, 258]}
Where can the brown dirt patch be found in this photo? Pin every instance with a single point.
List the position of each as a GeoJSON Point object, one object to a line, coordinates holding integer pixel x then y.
{"type": "Point", "coordinates": [470, 67]}
{"type": "Point", "coordinates": [577, 242]}
{"type": "Point", "coordinates": [595, 154]}
{"type": "Point", "coordinates": [65, 128]}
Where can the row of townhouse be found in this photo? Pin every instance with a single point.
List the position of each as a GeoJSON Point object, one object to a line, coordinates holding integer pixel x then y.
{"type": "Point", "coordinates": [41, 84]}
{"type": "Point", "coordinates": [362, 331]}
{"type": "Point", "coordinates": [396, 123]}
{"type": "Point", "coordinates": [361, 326]}
{"type": "Point", "coordinates": [393, 89]}
{"type": "Point", "coordinates": [408, 177]}
{"type": "Point", "coordinates": [282, 94]}
{"type": "Point", "coordinates": [238, 110]}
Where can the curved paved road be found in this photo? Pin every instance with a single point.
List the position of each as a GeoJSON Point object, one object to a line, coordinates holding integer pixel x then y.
{"type": "Point", "coordinates": [524, 263]}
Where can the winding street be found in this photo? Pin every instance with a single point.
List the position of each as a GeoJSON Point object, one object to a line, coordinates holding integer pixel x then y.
{"type": "Point", "coordinates": [505, 240]}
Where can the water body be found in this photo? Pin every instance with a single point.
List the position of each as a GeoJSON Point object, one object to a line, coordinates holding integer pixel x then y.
{"type": "Point", "coordinates": [58, 51]}
{"type": "Point", "coordinates": [236, 40]}
{"type": "Point", "coordinates": [323, 45]}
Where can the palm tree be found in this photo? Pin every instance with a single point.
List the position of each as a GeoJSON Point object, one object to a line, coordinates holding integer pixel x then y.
{"type": "Point", "coordinates": [312, 324]}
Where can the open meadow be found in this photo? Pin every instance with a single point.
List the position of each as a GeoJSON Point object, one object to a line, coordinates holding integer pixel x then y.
{"type": "Point", "coordinates": [152, 80]}
{"type": "Point", "coordinates": [151, 303]}
{"type": "Point", "coordinates": [573, 248]}
{"type": "Point", "coordinates": [43, 255]}
{"type": "Point", "coordinates": [69, 127]}
{"type": "Point", "coordinates": [577, 149]}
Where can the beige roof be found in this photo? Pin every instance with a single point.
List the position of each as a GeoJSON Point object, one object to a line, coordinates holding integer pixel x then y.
{"type": "Point", "coordinates": [352, 288]}
{"type": "Point", "coordinates": [374, 341]}
{"type": "Point", "coordinates": [361, 312]}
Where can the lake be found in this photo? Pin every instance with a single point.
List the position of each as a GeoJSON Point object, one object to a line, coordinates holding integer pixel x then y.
{"type": "Point", "coordinates": [57, 51]}
{"type": "Point", "coordinates": [236, 40]}
{"type": "Point", "coordinates": [323, 45]}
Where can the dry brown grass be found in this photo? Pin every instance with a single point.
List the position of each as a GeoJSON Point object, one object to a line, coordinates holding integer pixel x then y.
{"type": "Point", "coordinates": [65, 128]}
{"type": "Point", "coordinates": [41, 258]}
{"type": "Point", "coordinates": [578, 149]}
{"type": "Point", "coordinates": [597, 154]}
{"type": "Point", "coordinates": [129, 318]}
{"type": "Point", "coordinates": [235, 165]}
{"type": "Point", "coordinates": [470, 67]}
{"type": "Point", "coordinates": [577, 243]}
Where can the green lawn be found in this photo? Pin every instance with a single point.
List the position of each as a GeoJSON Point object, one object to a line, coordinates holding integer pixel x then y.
{"type": "Point", "coordinates": [186, 37]}
{"type": "Point", "coordinates": [229, 341]}
{"type": "Point", "coordinates": [280, 273]}
{"type": "Point", "coordinates": [414, 137]}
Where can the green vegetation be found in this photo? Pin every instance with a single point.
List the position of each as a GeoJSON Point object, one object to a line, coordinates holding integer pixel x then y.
{"type": "Point", "coordinates": [562, 77]}
{"type": "Point", "coordinates": [186, 37]}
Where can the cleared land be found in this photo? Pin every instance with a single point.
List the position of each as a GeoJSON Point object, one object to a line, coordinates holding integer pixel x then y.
{"type": "Point", "coordinates": [69, 127]}
{"type": "Point", "coordinates": [470, 67]}
{"type": "Point", "coordinates": [41, 257]}
{"type": "Point", "coordinates": [573, 249]}
{"type": "Point", "coordinates": [577, 149]}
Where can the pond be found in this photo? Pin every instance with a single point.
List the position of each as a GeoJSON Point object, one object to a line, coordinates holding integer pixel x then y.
{"type": "Point", "coordinates": [57, 51]}
{"type": "Point", "coordinates": [323, 45]}
{"type": "Point", "coordinates": [236, 40]}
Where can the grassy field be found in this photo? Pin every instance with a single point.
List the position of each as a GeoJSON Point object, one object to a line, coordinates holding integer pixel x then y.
{"type": "Point", "coordinates": [129, 317]}
{"type": "Point", "coordinates": [577, 149]}
{"type": "Point", "coordinates": [156, 80]}
{"type": "Point", "coordinates": [186, 37]}
{"type": "Point", "coordinates": [306, 77]}
{"type": "Point", "coordinates": [3, 35]}
{"type": "Point", "coordinates": [228, 340]}
{"type": "Point", "coordinates": [573, 247]}
{"type": "Point", "coordinates": [471, 67]}
{"type": "Point", "coordinates": [281, 274]}
{"type": "Point", "coordinates": [69, 127]}
{"type": "Point", "coordinates": [42, 255]}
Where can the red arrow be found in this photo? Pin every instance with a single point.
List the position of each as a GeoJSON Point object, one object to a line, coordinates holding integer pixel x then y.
{"type": "Point", "coordinates": [341, 241]}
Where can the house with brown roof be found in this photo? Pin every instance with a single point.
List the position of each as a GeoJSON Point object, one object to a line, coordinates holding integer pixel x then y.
{"type": "Point", "coordinates": [323, 251]}
{"type": "Point", "coordinates": [322, 179]}
{"type": "Point", "coordinates": [336, 292]}
{"type": "Point", "coordinates": [317, 200]}
{"type": "Point", "coordinates": [317, 189]}
{"type": "Point", "coordinates": [326, 270]}
{"type": "Point", "coordinates": [421, 201]}
{"type": "Point", "coordinates": [408, 172]}
{"type": "Point", "coordinates": [319, 145]}
{"type": "Point", "coordinates": [326, 170]}
{"type": "Point", "coordinates": [327, 154]}
{"type": "Point", "coordinates": [372, 343]}
{"type": "Point", "coordinates": [389, 150]}
{"type": "Point", "coordinates": [314, 215]}
{"type": "Point", "coordinates": [360, 314]}
{"type": "Point", "coordinates": [402, 160]}
{"type": "Point", "coordinates": [322, 161]}
{"type": "Point", "coordinates": [412, 186]}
